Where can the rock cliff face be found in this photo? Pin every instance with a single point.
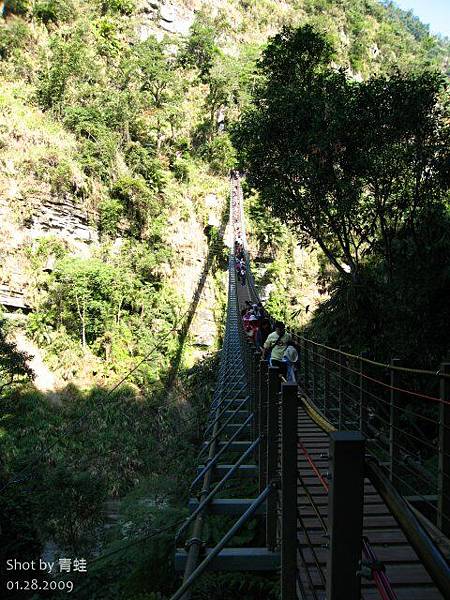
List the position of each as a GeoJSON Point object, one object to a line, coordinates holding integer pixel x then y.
{"type": "Point", "coordinates": [193, 277]}
{"type": "Point", "coordinates": [36, 160]}
{"type": "Point", "coordinates": [57, 217]}
{"type": "Point", "coordinates": [158, 17]}
{"type": "Point", "coordinates": [44, 198]}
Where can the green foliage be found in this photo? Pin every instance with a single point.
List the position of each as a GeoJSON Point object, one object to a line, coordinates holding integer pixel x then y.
{"type": "Point", "coordinates": [221, 154]}
{"type": "Point", "coordinates": [111, 211]}
{"type": "Point", "coordinates": [137, 199]}
{"type": "Point", "coordinates": [54, 11]}
{"type": "Point", "coordinates": [69, 60]}
{"type": "Point", "coordinates": [201, 47]}
{"type": "Point", "coordinates": [266, 229]}
{"type": "Point", "coordinates": [349, 162]}
{"type": "Point", "coordinates": [87, 296]}
{"type": "Point", "coordinates": [142, 162]}
{"type": "Point", "coordinates": [404, 316]}
{"type": "Point", "coordinates": [181, 167]}
{"type": "Point", "coordinates": [13, 363]}
{"type": "Point", "coordinates": [14, 35]}
{"type": "Point", "coordinates": [125, 7]}
{"type": "Point", "coordinates": [361, 172]}
{"type": "Point", "coordinates": [99, 143]}
{"type": "Point", "coordinates": [77, 513]}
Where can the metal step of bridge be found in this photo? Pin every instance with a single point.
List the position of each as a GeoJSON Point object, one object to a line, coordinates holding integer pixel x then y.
{"type": "Point", "coordinates": [236, 559]}
{"type": "Point", "coordinates": [243, 470]}
{"type": "Point", "coordinates": [240, 414]}
{"type": "Point", "coordinates": [228, 506]}
{"type": "Point", "coordinates": [235, 402]}
{"type": "Point", "coordinates": [230, 429]}
{"type": "Point", "coordinates": [239, 446]}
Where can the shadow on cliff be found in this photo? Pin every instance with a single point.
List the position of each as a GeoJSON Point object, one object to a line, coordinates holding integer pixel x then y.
{"type": "Point", "coordinates": [215, 251]}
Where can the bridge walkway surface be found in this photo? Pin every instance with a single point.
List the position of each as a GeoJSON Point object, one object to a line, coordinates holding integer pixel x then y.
{"type": "Point", "coordinates": [335, 522]}
{"type": "Point", "coordinates": [405, 572]}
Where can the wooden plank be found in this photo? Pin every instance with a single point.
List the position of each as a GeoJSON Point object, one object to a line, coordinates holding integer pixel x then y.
{"type": "Point", "coordinates": [414, 575]}
{"type": "Point", "coordinates": [398, 556]}
{"type": "Point", "coordinates": [408, 593]}
{"type": "Point", "coordinates": [407, 575]}
{"type": "Point", "coordinates": [306, 509]}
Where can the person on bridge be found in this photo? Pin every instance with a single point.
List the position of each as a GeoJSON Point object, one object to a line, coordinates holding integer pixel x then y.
{"type": "Point", "coordinates": [264, 330]}
{"type": "Point", "coordinates": [246, 315]}
{"type": "Point", "coordinates": [254, 326]}
{"type": "Point", "coordinates": [277, 342]}
{"type": "Point", "coordinates": [243, 273]}
{"type": "Point", "coordinates": [260, 312]}
{"type": "Point", "coordinates": [290, 357]}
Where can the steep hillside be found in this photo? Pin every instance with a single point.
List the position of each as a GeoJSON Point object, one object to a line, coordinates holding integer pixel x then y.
{"type": "Point", "coordinates": [114, 111]}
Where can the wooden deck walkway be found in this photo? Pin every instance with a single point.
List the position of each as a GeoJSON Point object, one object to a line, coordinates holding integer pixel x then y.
{"type": "Point", "coordinates": [408, 577]}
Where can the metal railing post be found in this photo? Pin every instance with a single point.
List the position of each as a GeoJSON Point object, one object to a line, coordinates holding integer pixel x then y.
{"type": "Point", "coordinates": [394, 423]}
{"type": "Point", "coordinates": [289, 491]}
{"type": "Point", "coordinates": [262, 398]}
{"type": "Point", "coordinates": [314, 374]}
{"type": "Point", "coordinates": [345, 515]}
{"type": "Point", "coordinates": [443, 514]}
{"type": "Point", "coordinates": [272, 454]}
{"type": "Point", "coordinates": [256, 367]}
{"type": "Point", "coordinates": [254, 361]}
{"type": "Point", "coordinates": [326, 381]}
{"type": "Point", "coordinates": [306, 362]}
{"type": "Point", "coordinates": [363, 408]}
{"type": "Point", "coordinates": [340, 388]}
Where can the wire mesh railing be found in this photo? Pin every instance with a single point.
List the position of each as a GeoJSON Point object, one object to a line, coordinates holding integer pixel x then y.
{"type": "Point", "coordinates": [404, 414]}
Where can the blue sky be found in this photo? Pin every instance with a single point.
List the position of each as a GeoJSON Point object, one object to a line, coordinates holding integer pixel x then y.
{"type": "Point", "coordinates": [434, 12]}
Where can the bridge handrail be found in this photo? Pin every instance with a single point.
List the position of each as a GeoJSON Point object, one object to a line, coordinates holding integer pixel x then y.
{"type": "Point", "coordinates": [411, 526]}
{"type": "Point", "coordinates": [387, 366]}
{"type": "Point", "coordinates": [418, 537]}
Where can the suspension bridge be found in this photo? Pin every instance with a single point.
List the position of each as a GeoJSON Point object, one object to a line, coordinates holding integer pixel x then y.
{"type": "Point", "coordinates": [348, 470]}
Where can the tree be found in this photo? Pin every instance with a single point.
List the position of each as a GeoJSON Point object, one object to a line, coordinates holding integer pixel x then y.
{"type": "Point", "coordinates": [347, 164]}
{"type": "Point", "coordinates": [88, 296]}
{"type": "Point", "coordinates": [13, 363]}
{"type": "Point", "coordinates": [72, 519]}
{"type": "Point", "coordinates": [70, 58]}
{"type": "Point", "coordinates": [201, 46]}
{"type": "Point", "coordinates": [154, 68]}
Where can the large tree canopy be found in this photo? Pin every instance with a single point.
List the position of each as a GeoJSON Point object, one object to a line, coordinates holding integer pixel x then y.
{"type": "Point", "coordinates": [350, 165]}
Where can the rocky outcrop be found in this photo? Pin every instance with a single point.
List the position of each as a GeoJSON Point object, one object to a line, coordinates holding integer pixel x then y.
{"type": "Point", "coordinates": [59, 217]}
{"type": "Point", "coordinates": [63, 217]}
{"type": "Point", "coordinates": [159, 17]}
{"type": "Point", "coordinates": [190, 243]}
{"type": "Point", "coordinates": [42, 195]}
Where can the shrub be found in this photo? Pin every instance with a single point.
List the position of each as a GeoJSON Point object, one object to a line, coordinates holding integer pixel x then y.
{"type": "Point", "coordinates": [62, 178]}
{"type": "Point", "coordinates": [181, 169]}
{"type": "Point", "coordinates": [143, 163]}
{"type": "Point", "coordinates": [221, 154]}
{"type": "Point", "coordinates": [125, 7]}
{"type": "Point", "coordinates": [99, 142]}
{"type": "Point", "coordinates": [54, 11]}
{"type": "Point", "coordinates": [70, 60]}
{"type": "Point", "coordinates": [14, 34]}
{"type": "Point", "coordinates": [111, 211]}
{"type": "Point", "coordinates": [137, 200]}
{"type": "Point", "coordinates": [201, 47]}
